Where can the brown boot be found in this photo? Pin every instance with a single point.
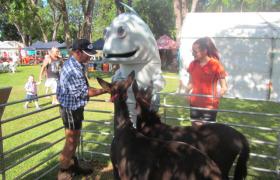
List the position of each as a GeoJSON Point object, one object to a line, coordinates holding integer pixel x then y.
{"type": "Point", "coordinates": [66, 174]}
{"type": "Point", "coordinates": [79, 170]}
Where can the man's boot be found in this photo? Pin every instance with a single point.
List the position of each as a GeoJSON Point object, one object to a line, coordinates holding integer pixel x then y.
{"type": "Point", "coordinates": [79, 170]}
{"type": "Point", "coordinates": [66, 174]}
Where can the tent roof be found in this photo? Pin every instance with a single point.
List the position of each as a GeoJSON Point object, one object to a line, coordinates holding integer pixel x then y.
{"type": "Point", "coordinates": [251, 24]}
{"type": "Point", "coordinates": [165, 42]}
{"type": "Point", "coordinates": [98, 44]}
{"type": "Point", "coordinates": [10, 45]}
{"type": "Point", "coordinates": [47, 45]}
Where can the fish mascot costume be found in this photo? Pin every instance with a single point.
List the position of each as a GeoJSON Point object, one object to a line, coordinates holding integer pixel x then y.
{"type": "Point", "coordinates": [130, 43]}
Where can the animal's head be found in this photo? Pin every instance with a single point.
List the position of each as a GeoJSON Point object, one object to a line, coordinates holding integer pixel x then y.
{"type": "Point", "coordinates": [143, 96]}
{"type": "Point", "coordinates": [118, 89]}
{"type": "Point", "coordinates": [145, 115]}
{"type": "Point", "coordinates": [129, 40]}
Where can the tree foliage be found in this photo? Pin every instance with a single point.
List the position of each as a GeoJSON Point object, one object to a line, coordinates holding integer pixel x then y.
{"type": "Point", "coordinates": [65, 20]}
{"type": "Point", "coordinates": [103, 14]}
{"type": "Point", "coordinates": [158, 14]}
{"type": "Point", "coordinates": [240, 5]}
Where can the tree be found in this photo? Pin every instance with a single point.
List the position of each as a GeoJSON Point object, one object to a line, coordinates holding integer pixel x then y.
{"type": "Point", "coordinates": [33, 7]}
{"type": "Point", "coordinates": [56, 18]}
{"type": "Point", "coordinates": [180, 11]}
{"type": "Point", "coordinates": [21, 16]}
{"type": "Point", "coordinates": [7, 31]}
{"type": "Point", "coordinates": [241, 5]}
{"type": "Point", "coordinates": [61, 6]}
{"type": "Point", "coordinates": [103, 14]}
{"type": "Point", "coordinates": [87, 7]}
{"type": "Point", "coordinates": [158, 14]}
{"type": "Point", "coordinates": [120, 8]}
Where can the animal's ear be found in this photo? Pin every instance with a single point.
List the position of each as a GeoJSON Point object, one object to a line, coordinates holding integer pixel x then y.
{"type": "Point", "coordinates": [135, 88]}
{"type": "Point", "coordinates": [132, 74]}
{"type": "Point", "coordinates": [105, 85]}
{"type": "Point", "coordinates": [149, 93]}
{"type": "Point", "coordinates": [130, 79]}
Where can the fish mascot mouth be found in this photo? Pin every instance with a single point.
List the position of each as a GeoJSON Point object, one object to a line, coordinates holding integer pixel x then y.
{"type": "Point", "coordinates": [121, 55]}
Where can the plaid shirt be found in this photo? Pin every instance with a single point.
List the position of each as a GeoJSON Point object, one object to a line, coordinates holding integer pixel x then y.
{"type": "Point", "coordinates": [72, 90]}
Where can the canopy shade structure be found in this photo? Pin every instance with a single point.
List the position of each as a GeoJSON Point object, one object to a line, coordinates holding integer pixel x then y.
{"type": "Point", "coordinates": [47, 45]}
{"type": "Point", "coordinates": [10, 45]}
{"type": "Point", "coordinates": [165, 42]}
{"type": "Point", "coordinates": [98, 45]}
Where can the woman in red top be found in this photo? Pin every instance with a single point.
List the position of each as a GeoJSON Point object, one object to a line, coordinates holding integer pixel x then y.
{"type": "Point", "coordinates": [205, 71]}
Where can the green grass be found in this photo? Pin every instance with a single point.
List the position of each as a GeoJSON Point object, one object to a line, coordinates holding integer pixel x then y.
{"type": "Point", "coordinates": [17, 81]}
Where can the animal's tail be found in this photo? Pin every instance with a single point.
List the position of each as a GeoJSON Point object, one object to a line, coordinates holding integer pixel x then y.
{"type": "Point", "coordinates": [240, 172]}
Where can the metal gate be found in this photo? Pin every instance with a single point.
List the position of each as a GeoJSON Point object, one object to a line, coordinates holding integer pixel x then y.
{"type": "Point", "coordinates": [264, 136]}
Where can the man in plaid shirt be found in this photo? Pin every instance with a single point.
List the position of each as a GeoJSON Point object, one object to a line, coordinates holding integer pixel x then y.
{"type": "Point", "coordinates": [73, 93]}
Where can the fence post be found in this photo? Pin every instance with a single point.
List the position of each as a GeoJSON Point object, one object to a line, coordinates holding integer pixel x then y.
{"type": "Point", "coordinates": [4, 96]}
{"type": "Point", "coordinates": [164, 109]}
{"type": "Point", "coordinates": [278, 157]}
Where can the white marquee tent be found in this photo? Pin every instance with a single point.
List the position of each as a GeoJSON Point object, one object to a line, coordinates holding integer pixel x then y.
{"type": "Point", "coordinates": [249, 45]}
{"type": "Point", "coordinates": [10, 47]}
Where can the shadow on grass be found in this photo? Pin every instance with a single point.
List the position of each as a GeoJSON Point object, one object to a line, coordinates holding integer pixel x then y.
{"type": "Point", "coordinates": [243, 119]}
{"type": "Point", "coordinates": [99, 74]}
{"type": "Point", "coordinates": [101, 168]}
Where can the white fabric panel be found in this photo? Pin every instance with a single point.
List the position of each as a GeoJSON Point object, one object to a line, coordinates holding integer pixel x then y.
{"type": "Point", "coordinates": [244, 41]}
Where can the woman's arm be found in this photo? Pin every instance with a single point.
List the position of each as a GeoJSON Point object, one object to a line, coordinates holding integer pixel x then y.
{"type": "Point", "coordinates": [189, 85]}
{"type": "Point", "coordinates": [223, 84]}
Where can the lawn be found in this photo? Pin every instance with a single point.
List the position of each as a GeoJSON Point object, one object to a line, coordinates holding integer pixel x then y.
{"type": "Point", "coordinates": [17, 81]}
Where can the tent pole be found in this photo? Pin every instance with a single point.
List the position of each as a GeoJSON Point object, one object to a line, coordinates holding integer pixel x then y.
{"type": "Point", "coordinates": [271, 61]}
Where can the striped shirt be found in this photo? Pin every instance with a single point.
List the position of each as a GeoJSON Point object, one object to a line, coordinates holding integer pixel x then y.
{"type": "Point", "coordinates": [72, 90]}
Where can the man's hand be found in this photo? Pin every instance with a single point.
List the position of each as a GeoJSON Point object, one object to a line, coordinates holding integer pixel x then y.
{"type": "Point", "coordinates": [95, 92]}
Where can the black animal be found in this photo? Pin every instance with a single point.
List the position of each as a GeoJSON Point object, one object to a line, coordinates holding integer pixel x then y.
{"type": "Point", "coordinates": [220, 142]}
{"type": "Point", "coordinates": [135, 156]}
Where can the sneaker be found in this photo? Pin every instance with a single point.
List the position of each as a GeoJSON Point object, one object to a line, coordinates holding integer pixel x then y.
{"type": "Point", "coordinates": [38, 108]}
{"type": "Point", "coordinates": [80, 170]}
{"type": "Point", "coordinates": [25, 106]}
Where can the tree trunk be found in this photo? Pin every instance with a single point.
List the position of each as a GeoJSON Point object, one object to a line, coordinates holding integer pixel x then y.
{"type": "Point", "coordinates": [194, 4]}
{"type": "Point", "coordinates": [45, 37]}
{"type": "Point", "coordinates": [120, 8]}
{"type": "Point", "coordinates": [56, 17]}
{"type": "Point", "coordinates": [22, 35]}
{"type": "Point", "coordinates": [180, 11]}
{"type": "Point", "coordinates": [241, 6]}
{"type": "Point", "coordinates": [55, 28]}
{"type": "Point", "coordinates": [86, 28]}
{"type": "Point", "coordinates": [61, 6]}
{"type": "Point", "coordinates": [40, 22]}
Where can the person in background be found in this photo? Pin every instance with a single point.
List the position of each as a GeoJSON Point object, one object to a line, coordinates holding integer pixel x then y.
{"type": "Point", "coordinates": [51, 68]}
{"type": "Point", "coordinates": [204, 73]}
{"type": "Point", "coordinates": [14, 63]}
{"type": "Point", "coordinates": [73, 93]}
{"type": "Point", "coordinates": [31, 92]}
{"type": "Point", "coordinates": [183, 75]}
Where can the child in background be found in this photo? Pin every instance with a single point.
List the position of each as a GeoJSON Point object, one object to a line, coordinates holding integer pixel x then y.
{"type": "Point", "coordinates": [31, 92]}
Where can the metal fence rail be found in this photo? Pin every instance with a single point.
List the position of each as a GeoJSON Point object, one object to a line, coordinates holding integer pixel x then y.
{"type": "Point", "coordinates": [104, 129]}
{"type": "Point", "coordinates": [252, 140]}
{"type": "Point", "coordinates": [7, 154]}
{"type": "Point", "coordinates": [254, 156]}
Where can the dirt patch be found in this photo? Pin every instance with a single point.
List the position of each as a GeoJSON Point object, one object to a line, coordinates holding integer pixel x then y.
{"type": "Point", "coordinates": [101, 170]}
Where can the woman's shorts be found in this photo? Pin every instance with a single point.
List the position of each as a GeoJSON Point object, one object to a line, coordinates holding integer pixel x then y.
{"type": "Point", "coordinates": [51, 83]}
{"type": "Point", "coordinates": [72, 119]}
{"type": "Point", "coordinates": [203, 115]}
{"type": "Point", "coordinates": [31, 97]}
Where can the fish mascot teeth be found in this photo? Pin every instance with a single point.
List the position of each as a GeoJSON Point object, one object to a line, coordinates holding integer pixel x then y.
{"type": "Point", "coordinates": [130, 43]}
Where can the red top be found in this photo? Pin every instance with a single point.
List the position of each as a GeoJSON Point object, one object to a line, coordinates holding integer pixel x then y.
{"type": "Point", "coordinates": [204, 82]}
